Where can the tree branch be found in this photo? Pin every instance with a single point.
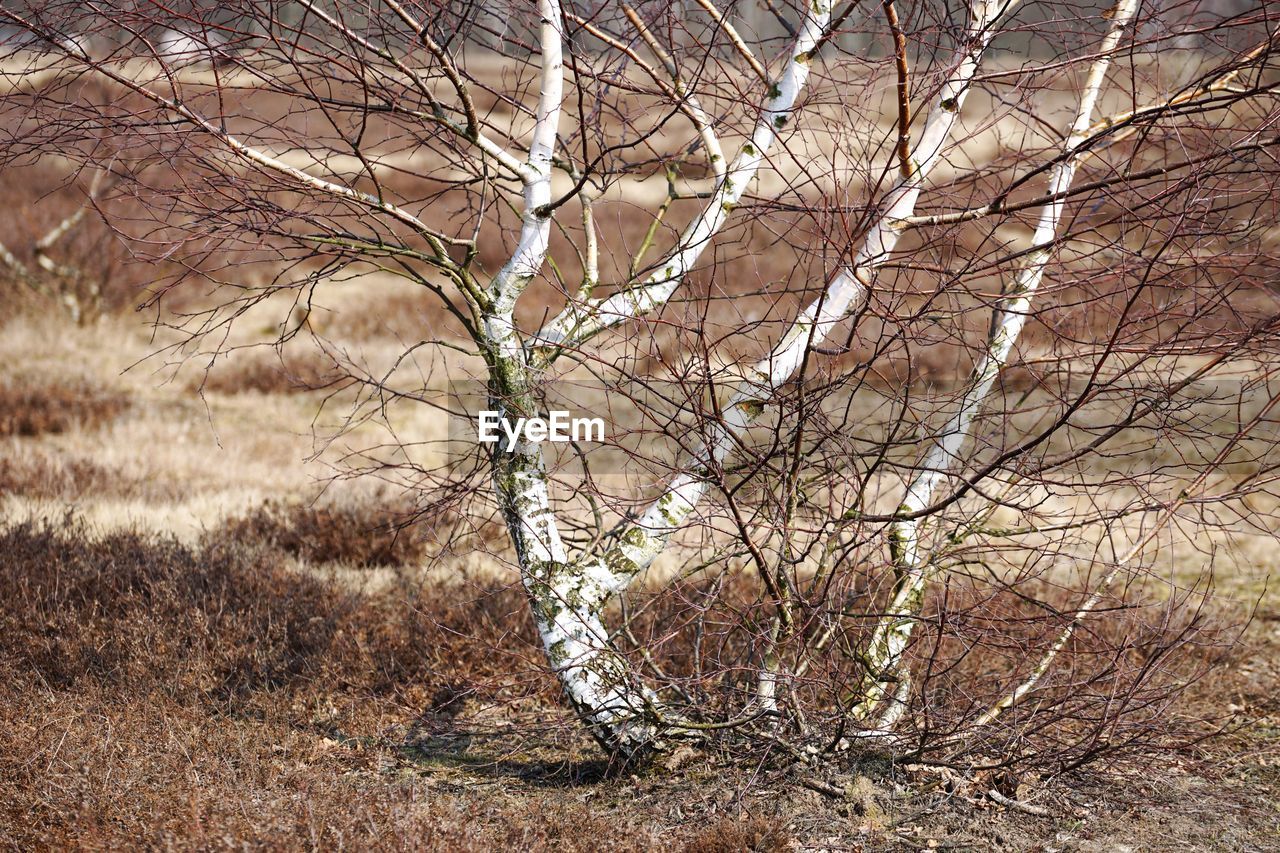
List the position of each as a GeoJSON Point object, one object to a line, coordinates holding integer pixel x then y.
{"type": "Point", "coordinates": [243, 151]}
{"type": "Point", "coordinates": [904, 102]}
{"type": "Point", "coordinates": [912, 568]}
{"type": "Point", "coordinates": [472, 129]}
{"type": "Point", "coordinates": [1110, 130]}
{"type": "Point", "coordinates": [640, 543]}
{"type": "Point", "coordinates": [1078, 616]}
{"type": "Point", "coordinates": [579, 322]}
{"type": "Point", "coordinates": [736, 40]}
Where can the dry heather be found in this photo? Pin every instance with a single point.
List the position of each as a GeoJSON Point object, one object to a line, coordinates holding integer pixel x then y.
{"type": "Point", "coordinates": [159, 692]}
{"type": "Point", "coordinates": [213, 697]}
{"type": "Point", "coordinates": [268, 373]}
{"type": "Point", "coordinates": [356, 536]}
{"type": "Point", "coordinates": [38, 409]}
{"type": "Point", "coordinates": [203, 698]}
{"type": "Point", "coordinates": [42, 477]}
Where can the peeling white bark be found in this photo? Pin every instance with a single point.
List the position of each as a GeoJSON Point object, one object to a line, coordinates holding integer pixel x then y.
{"type": "Point", "coordinates": [566, 601]}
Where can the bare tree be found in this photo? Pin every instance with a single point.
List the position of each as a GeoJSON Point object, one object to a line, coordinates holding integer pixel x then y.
{"type": "Point", "coordinates": [76, 290]}
{"type": "Point", "coordinates": [949, 332]}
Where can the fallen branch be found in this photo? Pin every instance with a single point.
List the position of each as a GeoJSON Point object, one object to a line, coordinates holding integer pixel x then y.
{"type": "Point", "coordinates": [1009, 802]}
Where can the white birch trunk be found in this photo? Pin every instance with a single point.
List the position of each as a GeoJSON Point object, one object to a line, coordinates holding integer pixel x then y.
{"type": "Point", "coordinates": [580, 321]}
{"type": "Point", "coordinates": [911, 565]}
{"type": "Point", "coordinates": [568, 598]}
{"type": "Point", "coordinates": [566, 601]}
{"type": "Point", "coordinates": [641, 543]}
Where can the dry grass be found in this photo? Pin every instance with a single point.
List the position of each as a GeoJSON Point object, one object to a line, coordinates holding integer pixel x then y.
{"type": "Point", "coordinates": [89, 421]}
{"type": "Point", "coordinates": [40, 409]}
{"type": "Point", "coordinates": [200, 698]}
{"type": "Point", "coordinates": [161, 695]}
{"type": "Point", "coordinates": [269, 373]}
{"type": "Point", "coordinates": [43, 477]}
{"type": "Point", "coordinates": [727, 836]}
{"type": "Point", "coordinates": [358, 536]}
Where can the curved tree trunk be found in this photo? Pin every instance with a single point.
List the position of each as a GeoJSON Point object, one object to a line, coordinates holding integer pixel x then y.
{"type": "Point", "coordinates": [568, 597]}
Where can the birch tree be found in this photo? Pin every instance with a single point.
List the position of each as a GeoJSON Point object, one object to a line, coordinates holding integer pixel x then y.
{"type": "Point", "coordinates": [608, 190]}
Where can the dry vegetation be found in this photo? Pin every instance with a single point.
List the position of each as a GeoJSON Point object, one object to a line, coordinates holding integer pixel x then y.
{"type": "Point", "coordinates": [301, 670]}
{"type": "Point", "coordinates": [206, 642]}
{"type": "Point", "coordinates": [214, 696]}
{"type": "Point", "coordinates": [29, 409]}
{"type": "Point", "coordinates": [269, 373]}
{"type": "Point", "coordinates": [358, 536]}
